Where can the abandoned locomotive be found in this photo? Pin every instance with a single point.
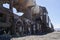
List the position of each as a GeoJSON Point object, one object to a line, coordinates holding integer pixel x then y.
{"type": "Point", "coordinates": [34, 21]}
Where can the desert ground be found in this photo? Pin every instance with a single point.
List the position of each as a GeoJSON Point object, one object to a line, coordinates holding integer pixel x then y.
{"type": "Point", "coordinates": [50, 36]}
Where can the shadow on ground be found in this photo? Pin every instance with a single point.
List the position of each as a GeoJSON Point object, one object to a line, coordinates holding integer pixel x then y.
{"type": "Point", "coordinates": [8, 37]}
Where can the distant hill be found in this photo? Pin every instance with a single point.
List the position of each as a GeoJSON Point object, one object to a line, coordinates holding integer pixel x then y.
{"type": "Point", "coordinates": [57, 29]}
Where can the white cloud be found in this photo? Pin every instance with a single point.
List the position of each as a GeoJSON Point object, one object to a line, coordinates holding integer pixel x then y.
{"type": "Point", "coordinates": [57, 26]}
{"type": "Point", "coordinates": [6, 5]}
{"type": "Point", "coordinates": [17, 13]}
{"type": "Point", "coordinates": [14, 10]}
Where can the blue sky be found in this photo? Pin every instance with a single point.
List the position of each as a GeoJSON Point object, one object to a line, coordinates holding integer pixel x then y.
{"type": "Point", "coordinates": [53, 10]}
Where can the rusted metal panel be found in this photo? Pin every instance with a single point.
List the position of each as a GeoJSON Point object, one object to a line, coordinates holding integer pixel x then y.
{"type": "Point", "coordinates": [5, 24]}
{"type": "Point", "coordinates": [30, 3]}
{"type": "Point", "coordinates": [3, 20]}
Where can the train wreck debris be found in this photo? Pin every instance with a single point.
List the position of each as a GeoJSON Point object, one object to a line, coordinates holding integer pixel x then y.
{"type": "Point", "coordinates": [35, 20]}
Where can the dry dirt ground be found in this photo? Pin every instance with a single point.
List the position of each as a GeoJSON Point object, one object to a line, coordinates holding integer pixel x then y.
{"type": "Point", "coordinates": [50, 36]}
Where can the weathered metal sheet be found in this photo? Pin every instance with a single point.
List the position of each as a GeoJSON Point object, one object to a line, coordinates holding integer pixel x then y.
{"type": "Point", "coordinates": [2, 24]}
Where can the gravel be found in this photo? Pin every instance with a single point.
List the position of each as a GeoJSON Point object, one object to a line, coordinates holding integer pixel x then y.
{"type": "Point", "coordinates": [50, 36]}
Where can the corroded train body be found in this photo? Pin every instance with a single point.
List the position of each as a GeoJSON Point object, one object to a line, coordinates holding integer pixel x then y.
{"type": "Point", "coordinates": [35, 21]}
{"type": "Point", "coordinates": [23, 26]}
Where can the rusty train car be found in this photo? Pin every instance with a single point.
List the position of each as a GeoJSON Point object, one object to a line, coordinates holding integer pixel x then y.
{"type": "Point", "coordinates": [13, 24]}
{"type": "Point", "coordinates": [5, 20]}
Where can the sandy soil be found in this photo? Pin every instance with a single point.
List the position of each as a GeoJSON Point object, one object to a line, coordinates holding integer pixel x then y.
{"type": "Point", "coordinates": [50, 36]}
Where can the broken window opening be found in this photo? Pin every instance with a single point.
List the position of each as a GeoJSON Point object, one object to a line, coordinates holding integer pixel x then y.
{"type": "Point", "coordinates": [2, 17]}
